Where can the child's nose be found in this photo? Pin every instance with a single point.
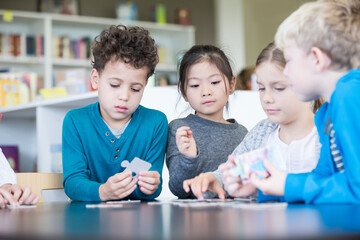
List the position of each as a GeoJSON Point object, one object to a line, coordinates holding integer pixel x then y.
{"type": "Point", "coordinates": [206, 91]}
{"type": "Point", "coordinates": [268, 97]}
{"type": "Point", "coordinates": [123, 94]}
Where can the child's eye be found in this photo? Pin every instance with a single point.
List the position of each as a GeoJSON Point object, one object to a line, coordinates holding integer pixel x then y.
{"type": "Point", "coordinates": [135, 90]}
{"type": "Point", "coordinates": [215, 82]}
{"type": "Point", "coordinates": [114, 85]}
{"type": "Point", "coordinates": [194, 86]}
{"type": "Point", "coordinates": [261, 89]}
{"type": "Point", "coordinates": [279, 89]}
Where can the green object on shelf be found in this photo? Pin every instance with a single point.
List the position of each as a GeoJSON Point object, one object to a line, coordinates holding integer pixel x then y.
{"type": "Point", "coordinates": [160, 13]}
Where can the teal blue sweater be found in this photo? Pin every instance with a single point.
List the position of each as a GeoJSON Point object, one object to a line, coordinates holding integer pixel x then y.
{"type": "Point", "coordinates": [92, 154]}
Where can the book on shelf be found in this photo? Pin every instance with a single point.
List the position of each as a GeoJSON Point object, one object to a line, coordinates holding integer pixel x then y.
{"type": "Point", "coordinates": [3, 44]}
{"type": "Point", "coordinates": [11, 152]}
{"type": "Point", "coordinates": [52, 93]}
{"type": "Point", "coordinates": [17, 88]}
{"type": "Point", "coordinates": [64, 47]}
{"type": "Point", "coordinates": [74, 80]}
{"type": "Point", "coordinates": [21, 44]}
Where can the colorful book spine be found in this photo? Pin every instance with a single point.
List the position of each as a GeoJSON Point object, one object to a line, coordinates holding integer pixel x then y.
{"type": "Point", "coordinates": [21, 45]}
{"type": "Point", "coordinates": [67, 48]}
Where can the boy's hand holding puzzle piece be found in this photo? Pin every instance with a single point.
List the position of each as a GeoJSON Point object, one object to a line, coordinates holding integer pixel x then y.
{"type": "Point", "coordinates": [252, 162]}
{"type": "Point", "coordinates": [123, 184]}
{"type": "Point", "coordinates": [148, 181]}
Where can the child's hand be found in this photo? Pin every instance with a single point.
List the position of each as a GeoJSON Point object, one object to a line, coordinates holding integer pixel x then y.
{"type": "Point", "coordinates": [234, 185]}
{"type": "Point", "coordinates": [23, 195]}
{"type": "Point", "coordinates": [149, 181]}
{"type": "Point", "coordinates": [118, 186]}
{"type": "Point", "coordinates": [203, 183]}
{"type": "Point", "coordinates": [186, 142]}
{"type": "Point", "coordinates": [6, 197]}
{"type": "Point", "coordinates": [273, 185]}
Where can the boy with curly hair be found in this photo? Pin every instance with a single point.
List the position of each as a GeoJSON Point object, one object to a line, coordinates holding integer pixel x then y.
{"type": "Point", "coordinates": [99, 137]}
{"type": "Point", "coordinates": [321, 45]}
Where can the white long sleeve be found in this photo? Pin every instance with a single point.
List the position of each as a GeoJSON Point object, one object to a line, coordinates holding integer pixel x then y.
{"type": "Point", "coordinates": [7, 174]}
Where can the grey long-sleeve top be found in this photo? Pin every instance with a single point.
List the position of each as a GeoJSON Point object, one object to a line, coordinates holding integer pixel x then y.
{"type": "Point", "coordinates": [214, 141]}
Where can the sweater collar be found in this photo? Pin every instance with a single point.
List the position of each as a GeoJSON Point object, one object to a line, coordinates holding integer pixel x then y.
{"type": "Point", "coordinates": [233, 123]}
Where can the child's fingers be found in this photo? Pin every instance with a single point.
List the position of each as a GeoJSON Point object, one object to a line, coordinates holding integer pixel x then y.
{"type": "Point", "coordinates": [119, 177]}
{"type": "Point", "coordinates": [152, 174]}
{"type": "Point", "coordinates": [149, 180]}
{"type": "Point", "coordinates": [189, 133]}
{"type": "Point", "coordinates": [16, 191]}
{"type": "Point", "coordinates": [25, 195]}
{"type": "Point", "coordinates": [270, 167]}
{"type": "Point", "coordinates": [216, 188]}
{"type": "Point", "coordinates": [204, 184]}
{"type": "Point", "coordinates": [183, 131]}
{"type": "Point", "coordinates": [29, 199]}
{"type": "Point", "coordinates": [187, 184]}
{"type": "Point", "coordinates": [184, 140]}
{"type": "Point", "coordinates": [183, 128]}
{"type": "Point", "coordinates": [150, 187]}
{"type": "Point", "coordinates": [146, 191]}
{"type": "Point", "coordinates": [226, 166]}
{"type": "Point", "coordinates": [184, 147]}
{"type": "Point", "coordinates": [8, 198]}
{"type": "Point", "coordinates": [3, 201]}
{"type": "Point", "coordinates": [127, 192]}
{"type": "Point", "coordinates": [196, 188]}
{"type": "Point", "coordinates": [36, 200]}
{"type": "Point", "coordinates": [230, 179]}
{"type": "Point", "coordinates": [124, 186]}
{"type": "Point", "coordinates": [257, 182]}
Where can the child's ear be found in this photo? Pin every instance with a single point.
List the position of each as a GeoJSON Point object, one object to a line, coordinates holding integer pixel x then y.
{"type": "Point", "coordinates": [232, 85]}
{"type": "Point", "coordinates": [94, 78]}
{"type": "Point", "coordinates": [322, 60]}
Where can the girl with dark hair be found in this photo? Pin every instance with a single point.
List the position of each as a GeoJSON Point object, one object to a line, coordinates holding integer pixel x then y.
{"type": "Point", "coordinates": [201, 141]}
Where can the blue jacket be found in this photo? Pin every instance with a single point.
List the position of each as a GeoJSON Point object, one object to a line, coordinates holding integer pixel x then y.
{"type": "Point", "coordinates": [92, 154]}
{"type": "Point", "coordinates": [325, 184]}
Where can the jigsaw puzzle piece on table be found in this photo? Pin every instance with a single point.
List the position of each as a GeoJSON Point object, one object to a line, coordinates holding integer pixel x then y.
{"type": "Point", "coordinates": [136, 165]}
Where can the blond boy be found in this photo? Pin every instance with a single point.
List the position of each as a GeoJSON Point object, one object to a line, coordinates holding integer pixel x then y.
{"type": "Point", "coordinates": [321, 44]}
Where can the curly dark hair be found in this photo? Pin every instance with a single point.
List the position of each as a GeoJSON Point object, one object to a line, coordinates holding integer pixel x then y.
{"type": "Point", "coordinates": [132, 45]}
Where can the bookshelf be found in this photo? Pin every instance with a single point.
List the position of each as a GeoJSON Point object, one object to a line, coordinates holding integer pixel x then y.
{"type": "Point", "coordinates": [172, 39]}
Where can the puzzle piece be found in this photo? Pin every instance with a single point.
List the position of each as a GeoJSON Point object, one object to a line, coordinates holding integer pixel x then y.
{"type": "Point", "coordinates": [253, 162]}
{"type": "Point", "coordinates": [136, 165]}
{"type": "Point", "coordinates": [21, 206]}
{"type": "Point", "coordinates": [101, 205]}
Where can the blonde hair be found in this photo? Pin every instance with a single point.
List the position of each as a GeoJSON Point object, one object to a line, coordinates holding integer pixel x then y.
{"type": "Point", "coordinates": [331, 25]}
